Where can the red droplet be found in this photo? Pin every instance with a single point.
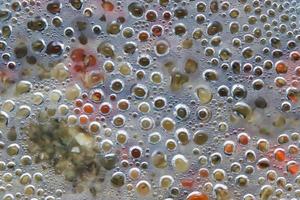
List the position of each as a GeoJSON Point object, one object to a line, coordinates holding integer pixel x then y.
{"type": "Point", "coordinates": [167, 15]}
{"type": "Point", "coordinates": [187, 183]}
{"type": "Point", "coordinates": [78, 68]}
{"type": "Point", "coordinates": [107, 6]}
{"type": "Point", "coordinates": [112, 97]}
{"type": "Point", "coordinates": [78, 102]}
{"type": "Point", "coordinates": [136, 152]}
{"type": "Point", "coordinates": [105, 108]}
{"type": "Point", "coordinates": [77, 55]}
{"type": "Point", "coordinates": [293, 168]}
{"type": "Point", "coordinates": [157, 30]}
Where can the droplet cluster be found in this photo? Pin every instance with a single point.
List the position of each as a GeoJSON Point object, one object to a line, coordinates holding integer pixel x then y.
{"type": "Point", "coordinates": [149, 99]}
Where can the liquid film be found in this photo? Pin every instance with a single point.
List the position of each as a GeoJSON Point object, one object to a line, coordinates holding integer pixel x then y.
{"type": "Point", "coordinates": [149, 99]}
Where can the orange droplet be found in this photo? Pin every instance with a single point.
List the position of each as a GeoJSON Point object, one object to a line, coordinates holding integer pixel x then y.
{"type": "Point", "coordinates": [279, 154]}
{"type": "Point", "coordinates": [203, 172]}
{"type": "Point", "coordinates": [229, 148]}
{"type": "Point", "coordinates": [96, 96]}
{"type": "Point", "coordinates": [105, 108]}
{"type": "Point", "coordinates": [243, 138]}
{"type": "Point", "coordinates": [83, 119]}
{"type": "Point", "coordinates": [281, 67]}
{"type": "Point", "coordinates": [143, 36]}
{"type": "Point", "coordinates": [88, 108]}
{"type": "Point", "coordinates": [293, 167]}
{"type": "Point", "coordinates": [197, 196]}
{"type": "Point", "coordinates": [293, 97]}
